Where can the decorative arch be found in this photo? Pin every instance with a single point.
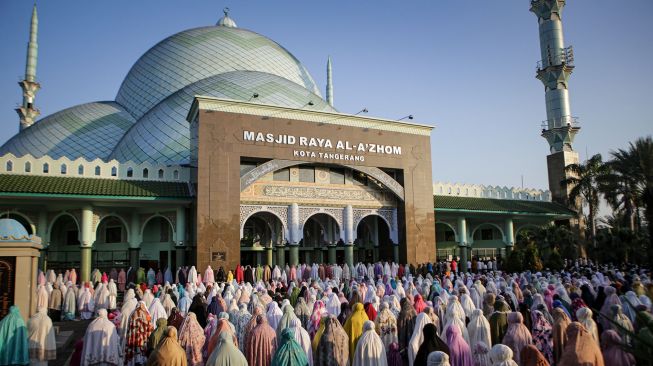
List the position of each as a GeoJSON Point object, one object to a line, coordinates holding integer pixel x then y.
{"type": "Point", "coordinates": [305, 220]}
{"type": "Point", "coordinates": [372, 214]}
{"type": "Point", "coordinates": [308, 216]}
{"type": "Point", "coordinates": [455, 231]}
{"type": "Point", "coordinates": [503, 234]}
{"type": "Point", "coordinates": [284, 224]}
{"type": "Point", "coordinates": [273, 165]}
{"type": "Point", "coordinates": [55, 218]}
{"type": "Point", "coordinates": [527, 226]}
{"type": "Point", "coordinates": [124, 223]}
{"type": "Point", "coordinates": [24, 217]}
{"type": "Point", "coordinates": [142, 229]}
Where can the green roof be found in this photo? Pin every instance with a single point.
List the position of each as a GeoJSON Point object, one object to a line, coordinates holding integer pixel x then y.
{"type": "Point", "coordinates": [494, 205]}
{"type": "Point", "coordinates": [12, 184]}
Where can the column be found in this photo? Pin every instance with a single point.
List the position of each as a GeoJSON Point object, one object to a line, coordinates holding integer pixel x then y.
{"type": "Point", "coordinates": [268, 256]}
{"type": "Point", "coordinates": [510, 236]}
{"type": "Point", "coordinates": [42, 232]}
{"type": "Point", "coordinates": [180, 239]}
{"type": "Point", "coordinates": [395, 252]}
{"type": "Point", "coordinates": [332, 253]}
{"type": "Point", "coordinates": [462, 242]}
{"type": "Point", "coordinates": [295, 233]}
{"type": "Point", "coordinates": [281, 256]}
{"type": "Point", "coordinates": [87, 244]}
{"type": "Point", "coordinates": [350, 236]}
{"type": "Point", "coordinates": [134, 241]}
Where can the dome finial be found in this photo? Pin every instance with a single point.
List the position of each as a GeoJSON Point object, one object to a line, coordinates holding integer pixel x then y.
{"type": "Point", "coordinates": [225, 21]}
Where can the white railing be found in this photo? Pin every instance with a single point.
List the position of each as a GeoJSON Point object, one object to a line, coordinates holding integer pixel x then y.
{"type": "Point", "coordinates": [486, 191]}
{"type": "Point", "coordinates": [64, 167]}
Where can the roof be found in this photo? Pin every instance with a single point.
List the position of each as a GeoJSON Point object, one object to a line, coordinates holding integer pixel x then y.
{"type": "Point", "coordinates": [11, 229]}
{"type": "Point", "coordinates": [494, 205]}
{"type": "Point", "coordinates": [16, 185]}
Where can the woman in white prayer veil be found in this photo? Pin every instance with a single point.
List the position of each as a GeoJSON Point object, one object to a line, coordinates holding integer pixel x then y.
{"type": "Point", "coordinates": [42, 297]}
{"type": "Point", "coordinates": [418, 336]}
{"type": "Point", "coordinates": [501, 355]}
{"type": "Point", "coordinates": [437, 358]}
{"type": "Point", "coordinates": [467, 304]}
{"type": "Point", "coordinates": [148, 297]}
{"type": "Point", "coordinates": [42, 344]}
{"type": "Point", "coordinates": [303, 338]}
{"type": "Point", "coordinates": [85, 304]}
{"type": "Point", "coordinates": [369, 350]}
{"type": "Point", "coordinates": [168, 304]}
{"type": "Point", "coordinates": [101, 342]}
{"type": "Point", "coordinates": [478, 329]}
{"type": "Point", "coordinates": [192, 275]}
{"type": "Point", "coordinates": [333, 304]}
{"type": "Point", "coordinates": [127, 309]}
{"type": "Point", "coordinates": [157, 311]}
{"type": "Point", "coordinates": [69, 304]}
{"type": "Point", "coordinates": [113, 294]}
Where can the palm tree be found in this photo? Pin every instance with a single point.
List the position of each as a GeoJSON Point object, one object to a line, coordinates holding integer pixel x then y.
{"type": "Point", "coordinates": [621, 187]}
{"type": "Point", "coordinates": [583, 181]}
{"type": "Point", "coordinates": [642, 154]}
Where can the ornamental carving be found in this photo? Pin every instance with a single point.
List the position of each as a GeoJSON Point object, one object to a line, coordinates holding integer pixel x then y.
{"type": "Point", "coordinates": [385, 213]}
{"type": "Point", "coordinates": [338, 194]}
{"type": "Point", "coordinates": [247, 211]}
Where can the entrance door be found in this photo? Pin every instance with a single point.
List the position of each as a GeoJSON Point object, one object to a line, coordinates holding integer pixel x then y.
{"type": "Point", "coordinates": [163, 260]}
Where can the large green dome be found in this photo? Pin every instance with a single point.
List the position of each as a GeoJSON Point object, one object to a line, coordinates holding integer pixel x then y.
{"type": "Point", "coordinates": [199, 53]}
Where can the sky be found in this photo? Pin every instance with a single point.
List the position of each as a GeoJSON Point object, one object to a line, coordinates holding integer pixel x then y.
{"type": "Point", "coordinates": [466, 67]}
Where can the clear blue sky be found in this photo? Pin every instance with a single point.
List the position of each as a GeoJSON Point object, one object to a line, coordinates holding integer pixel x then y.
{"type": "Point", "coordinates": [466, 67]}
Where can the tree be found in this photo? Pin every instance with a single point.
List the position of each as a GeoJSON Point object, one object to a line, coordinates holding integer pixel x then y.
{"type": "Point", "coordinates": [641, 152]}
{"type": "Point", "coordinates": [584, 185]}
{"type": "Point", "coordinates": [620, 186]}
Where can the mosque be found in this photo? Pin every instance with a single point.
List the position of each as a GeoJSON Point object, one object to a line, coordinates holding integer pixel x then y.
{"type": "Point", "coordinates": [220, 149]}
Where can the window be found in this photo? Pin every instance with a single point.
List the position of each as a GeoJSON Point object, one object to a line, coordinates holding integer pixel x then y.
{"type": "Point", "coordinates": [486, 234]}
{"type": "Point", "coordinates": [46, 168]}
{"type": "Point", "coordinates": [282, 175]}
{"type": "Point", "coordinates": [160, 173]}
{"type": "Point", "coordinates": [307, 174]}
{"type": "Point", "coordinates": [113, 234]}
{"type": "Point", "coordinates": [114, 171]}
{"type": "Point", "coordinates": [146, 173]}
{"type": "Point", "coordinates": [337, 176]}
{"type": "Point", "coordinates": [130, 172]}
{"type": "Point", "coordinates": [175, 175]}
{"type": "Point", "coordinates": [165, 233]}
{"type": "Point", "coordinates": [10, 166]}
{"type": "Point", "coordinates": [98, 171]}
{"type": "Point", "coordinates": [80, 170]}
{"type": "Point", "coordinates": [449, 235]}
{"type": "Point", "coordinates": [72, 237]}
{"type": "Point", "coordinates": [64, 169]}
{"type": "Point", "coordinates": [28, 167]}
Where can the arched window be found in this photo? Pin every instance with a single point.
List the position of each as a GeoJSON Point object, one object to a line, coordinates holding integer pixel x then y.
{"type": "Point", "coordinates": [449, 190]}
{"type": "Point", "coordinates": [46, 168]}
{"type": "Point", "coordinates": [98, 171]}
{"type": "Point", "coordinates": [10, 166]}
{"type": "Point", "coordinates": [28, 167]}
{"type": "Point", "coordinates": [114, 171]}
{"type": "Point", "coordinates": [175, 174]}
{"type": "Point", "coordinates": [80, 169]}
{"type": "Point", "coordinates": [130, 172]}
{"type": "Point", "coordinates": [146, 173]}
{"type": "Point", "coordinates": [160, 173]}
{"type": "Point", "coordinates": [64, 169]}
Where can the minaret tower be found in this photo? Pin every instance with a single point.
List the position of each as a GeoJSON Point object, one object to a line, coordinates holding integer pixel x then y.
{"type": "Point", "coordinates": [27, 112]}
{"type": "Point", "coordinates": [553, 71]}
{"type": "Point", "coordinates": [329, 86]}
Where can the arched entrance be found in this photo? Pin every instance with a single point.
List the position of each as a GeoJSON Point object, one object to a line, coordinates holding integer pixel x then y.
{"type": "Point", "coordinates": [111, 244]}
{"type": "Point", "coordinates": [63, 249]}
{"type": "Point", "coordinates": [157, 248]}
{"type": "Point", "coordinates": [445, 239]}
{"type": "Point", "coordinates": [21, 219]}
{"type": "Point", "coordinates": [320, 230]}
{"type": "Point", "coordinates": [373, 239]}
{"type": "Point", "coordinates": [261, 230]}
{"type": "Point", "coordinates": [488, 241]}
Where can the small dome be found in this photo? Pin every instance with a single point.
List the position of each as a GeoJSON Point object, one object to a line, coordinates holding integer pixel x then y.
{"type": "Point", "coordinates": [11, 229]}
{"type": "Point", "coordinates": [226, 21]}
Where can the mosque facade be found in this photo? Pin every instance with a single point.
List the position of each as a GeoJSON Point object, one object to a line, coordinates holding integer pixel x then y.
{"type": "Point", "coordinates": [220, 149]}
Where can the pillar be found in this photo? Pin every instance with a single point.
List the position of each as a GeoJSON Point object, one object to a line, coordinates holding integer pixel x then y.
{"type": "Point", "coordinates": [268, 256]}
{"type": "Point", "coordinates": [134, 257]}
{"type": "Point", "coordinates": [349, 256]}
{"type": "Point", "coordinates": [281, 256]}
{"type": "Point", "coordinates": [180, 236]}
{"type": "Point", "coordinates": [87, 244]}
{"type": "Point", "coordinates": [332, 254]}
{"type": "Point", "coordinates": [348, 218]}
{"type": "Point", "coordinates": [42, 232]}
{"type": "Point", "coordinates": [395, 252]}
{"type": "Point", "coordinates": [294, 255]}
{"type": "Point", "coordinates": [510, 233]}
{"type": "Point", "coordinates": [462, 242]}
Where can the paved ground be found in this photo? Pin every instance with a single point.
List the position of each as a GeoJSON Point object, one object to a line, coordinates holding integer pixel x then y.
{"type": "Point", "coordinates": [67, 336]}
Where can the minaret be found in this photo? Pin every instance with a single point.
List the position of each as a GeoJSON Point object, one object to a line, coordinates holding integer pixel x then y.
{"type": "Point", "coordinates": [553, 71]}
{"type": "Point", "coordinates": [27, 112]}
{"type": "Point", "coordinates": [329, 86]}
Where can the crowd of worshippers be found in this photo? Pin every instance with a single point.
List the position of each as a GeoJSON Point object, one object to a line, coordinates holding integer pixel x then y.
{"type": "Point", "coordinates": [376, 314]}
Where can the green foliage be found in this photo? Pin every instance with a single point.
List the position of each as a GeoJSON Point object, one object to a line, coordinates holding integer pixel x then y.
{"type": "Point", "coordinates": [514, 261]}
{"type": "Point", "coordinates": [555, 261]}
{"type": "Point", "coordinates": [532, 259]}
